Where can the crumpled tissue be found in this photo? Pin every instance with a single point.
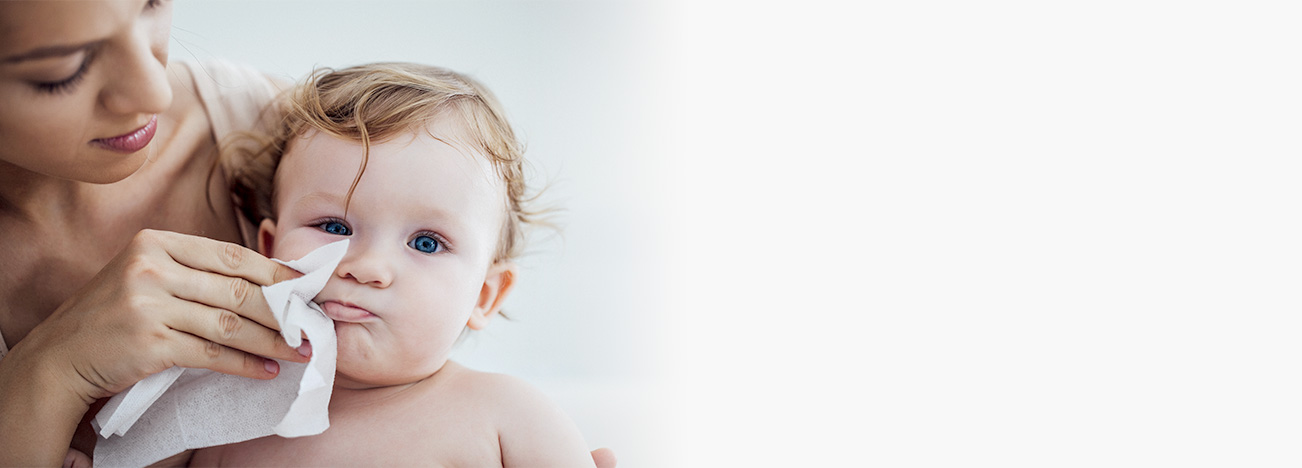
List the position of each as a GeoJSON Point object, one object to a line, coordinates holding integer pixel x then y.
{"type": "Point", "coordinates": [181, 409]}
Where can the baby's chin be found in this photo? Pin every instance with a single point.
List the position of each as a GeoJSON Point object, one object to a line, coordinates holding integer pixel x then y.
{"type": "Point", "coordinates": [373, 380]}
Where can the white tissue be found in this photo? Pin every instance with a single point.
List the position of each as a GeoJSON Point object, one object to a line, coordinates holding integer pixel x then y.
{"type": "Point", "coordinates": [181, 409]}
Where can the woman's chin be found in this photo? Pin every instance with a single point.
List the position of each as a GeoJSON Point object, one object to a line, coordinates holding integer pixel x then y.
{"type": "Point", "coordinates": [115, 172]}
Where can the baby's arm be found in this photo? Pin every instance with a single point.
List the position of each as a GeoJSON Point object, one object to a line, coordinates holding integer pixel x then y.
{"type": "Point", "coordinates": [180, 459]}
{"type": "Point", "coordinates": [78, 459]}
{"type": "Point", "coordinates": [534, 431]}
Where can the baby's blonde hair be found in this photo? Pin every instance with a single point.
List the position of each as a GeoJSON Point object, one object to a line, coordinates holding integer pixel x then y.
{"type": "Point", "coordinates": [381, 101]}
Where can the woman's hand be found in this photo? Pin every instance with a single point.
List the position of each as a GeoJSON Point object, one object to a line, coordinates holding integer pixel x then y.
{"type": "Point", "coordinates": [166, 300]}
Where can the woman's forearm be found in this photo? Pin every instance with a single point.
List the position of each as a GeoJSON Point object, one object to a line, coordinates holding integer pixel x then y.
{"type": "Point", "coordinates": [38, 411]}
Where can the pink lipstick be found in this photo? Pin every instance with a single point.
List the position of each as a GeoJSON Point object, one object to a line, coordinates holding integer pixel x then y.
{"type": "Point", "coordinates": [131, 142]}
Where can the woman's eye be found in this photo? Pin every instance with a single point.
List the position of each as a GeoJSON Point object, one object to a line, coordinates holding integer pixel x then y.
{"type": "Point", "coordinates": [67, 84]}
{"type": "Point", "coordinates": [335, 227]}
{"type": "Point", "coordinates": [425, 244]}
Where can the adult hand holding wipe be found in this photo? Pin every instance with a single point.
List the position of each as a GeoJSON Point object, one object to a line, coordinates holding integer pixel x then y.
{"type": "Point", "coordinates": [181, 409]}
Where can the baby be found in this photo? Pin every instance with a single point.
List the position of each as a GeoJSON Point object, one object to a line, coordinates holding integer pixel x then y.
{"type": "Point", "coordinates": [417, 166]}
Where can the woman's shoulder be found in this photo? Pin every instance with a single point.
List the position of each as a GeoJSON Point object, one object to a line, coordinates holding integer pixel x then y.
{"type": "Point", "coordinates": [234, 96]}
{"type": "Point", "coordinates": [212, 102]}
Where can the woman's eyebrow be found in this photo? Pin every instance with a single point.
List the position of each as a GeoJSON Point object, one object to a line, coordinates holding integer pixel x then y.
{"type": "Point", "coordinates": [50, 51]}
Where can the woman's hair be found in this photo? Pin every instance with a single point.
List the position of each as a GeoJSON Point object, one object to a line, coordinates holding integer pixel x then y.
{"type": "Point", "coordinates": [378, 102]}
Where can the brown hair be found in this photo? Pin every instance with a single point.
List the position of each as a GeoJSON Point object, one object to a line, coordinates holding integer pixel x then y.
{"type": "Point", "coordinates": [380, 101]}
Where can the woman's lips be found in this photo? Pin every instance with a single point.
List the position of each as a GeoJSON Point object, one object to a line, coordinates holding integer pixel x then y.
{"type": "Point", "coordinates": [130, 142]}
{"type": "Point", "coordinates": [345, 312]}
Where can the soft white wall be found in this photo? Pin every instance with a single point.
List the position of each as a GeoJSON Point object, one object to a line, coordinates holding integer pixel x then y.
{"type": "Point", "coordinates": [578, 80]}
{"type": "Point", "coordinates": [988, 234]}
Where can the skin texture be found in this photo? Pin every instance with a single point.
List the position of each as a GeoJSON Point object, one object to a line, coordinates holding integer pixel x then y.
{"type": "Point", "coordinates": [106, 280]}
{"type": "Point", "coordinates": [395, 386]}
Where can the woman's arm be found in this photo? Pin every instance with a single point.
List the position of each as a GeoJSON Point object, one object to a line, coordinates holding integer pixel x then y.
{"type": "Point", "coordinates": [166, 300]}
{"type": "Point", "coordinates": [38, 412]}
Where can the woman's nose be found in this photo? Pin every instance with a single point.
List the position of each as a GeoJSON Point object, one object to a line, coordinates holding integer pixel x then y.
{"type": "Point", "coordinates": [137, 80]}
{"type": "Point", "coordinates": [366, 265]}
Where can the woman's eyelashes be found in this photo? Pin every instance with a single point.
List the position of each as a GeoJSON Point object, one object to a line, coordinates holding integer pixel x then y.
{"type": "Point", "coordinates": [67, 84]}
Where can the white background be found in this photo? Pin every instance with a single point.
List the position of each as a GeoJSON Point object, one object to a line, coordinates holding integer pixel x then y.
{"type": "Point", "coordinates": [905, 234]}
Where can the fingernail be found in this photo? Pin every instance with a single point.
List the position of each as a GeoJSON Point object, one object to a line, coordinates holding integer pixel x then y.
{"type": "Point", "coordinates": [306, 349]}
{"type": "Point", "coordinates": [271, 365]}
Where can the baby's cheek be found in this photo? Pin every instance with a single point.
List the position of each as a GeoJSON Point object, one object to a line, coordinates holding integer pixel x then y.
{"type": "Point", "coordinates": [354, 348]}
{"type": "Point", "coordinates": [429, 343]}
{"type": "Point", "coordinates": [296, 243]}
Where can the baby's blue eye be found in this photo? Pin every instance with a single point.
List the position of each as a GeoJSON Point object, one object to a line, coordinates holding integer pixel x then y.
{"type": "Point", "coordinates": [335, 227]}
{"type": "Point", "coordinates": [425, 244]}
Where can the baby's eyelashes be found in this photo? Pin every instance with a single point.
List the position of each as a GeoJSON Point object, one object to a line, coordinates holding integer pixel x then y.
{"type": "Point", "coordinates": [335, 227]}
{"type": "Point", "coordinates": [423, 241]}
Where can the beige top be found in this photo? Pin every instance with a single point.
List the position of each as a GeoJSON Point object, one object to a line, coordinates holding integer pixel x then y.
{"type": "Point", "coordinates": [233, 97]}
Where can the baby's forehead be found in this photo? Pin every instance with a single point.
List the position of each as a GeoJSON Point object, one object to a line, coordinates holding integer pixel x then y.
{"type": "Point", "coordinates": [399, 164]}
{"type": "Point", "coordinates": [444, 127]}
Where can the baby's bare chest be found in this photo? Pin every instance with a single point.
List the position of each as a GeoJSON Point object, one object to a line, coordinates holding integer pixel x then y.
{"type": "Point", "coordinates": [444, 437]}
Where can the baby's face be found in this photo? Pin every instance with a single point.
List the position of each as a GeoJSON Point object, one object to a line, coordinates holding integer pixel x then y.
{"type": "Point", "coordinates": [423, 225]}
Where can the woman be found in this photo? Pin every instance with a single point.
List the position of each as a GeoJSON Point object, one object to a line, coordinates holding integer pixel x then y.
{"type": "Point", "coordinates": [121, 246]}
{"type": "Point", "coordinates": [95, 149]}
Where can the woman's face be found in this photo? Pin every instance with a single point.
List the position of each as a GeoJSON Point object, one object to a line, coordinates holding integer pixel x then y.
{"type": "Point", "coordinates": [81, 84]}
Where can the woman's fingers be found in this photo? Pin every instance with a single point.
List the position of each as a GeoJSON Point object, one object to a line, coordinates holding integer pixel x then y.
{"type": "Point", "coordinates": [223, 258]}
{"type": "Point", "coordinates": [223, 292]}
{"type": "Point", "coordinates": [222, 303]}
{"type": "Point", "coordinates": [231, 310]}
{"type": "Point", "coordinates": [195, 352]}
{"type": "Point", "coordinates": [166, 299]}
{"type": "Point", "coordinates": [231, 330]}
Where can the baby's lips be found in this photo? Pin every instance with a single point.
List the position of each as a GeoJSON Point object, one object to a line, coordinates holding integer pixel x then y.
{"type": "Point", "coordinates": [344, 312]}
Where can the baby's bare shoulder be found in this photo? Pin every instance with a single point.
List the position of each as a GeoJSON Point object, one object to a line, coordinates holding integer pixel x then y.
{"type": "Point", "coordinates": [532, 429]}
{"type": "Point", "coordinates": [486, 394]}
{"type": "Point", "coordinates": [501, 388]}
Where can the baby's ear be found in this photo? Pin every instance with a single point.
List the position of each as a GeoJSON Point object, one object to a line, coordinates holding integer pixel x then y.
{"type": "Point", "coordinates": [266, 237]}
{"type": "Point", "coordinates": [497, 285]}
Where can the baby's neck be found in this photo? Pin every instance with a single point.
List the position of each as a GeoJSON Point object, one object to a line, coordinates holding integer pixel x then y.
{"type": "Point", "coordinates": [349, 393]}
